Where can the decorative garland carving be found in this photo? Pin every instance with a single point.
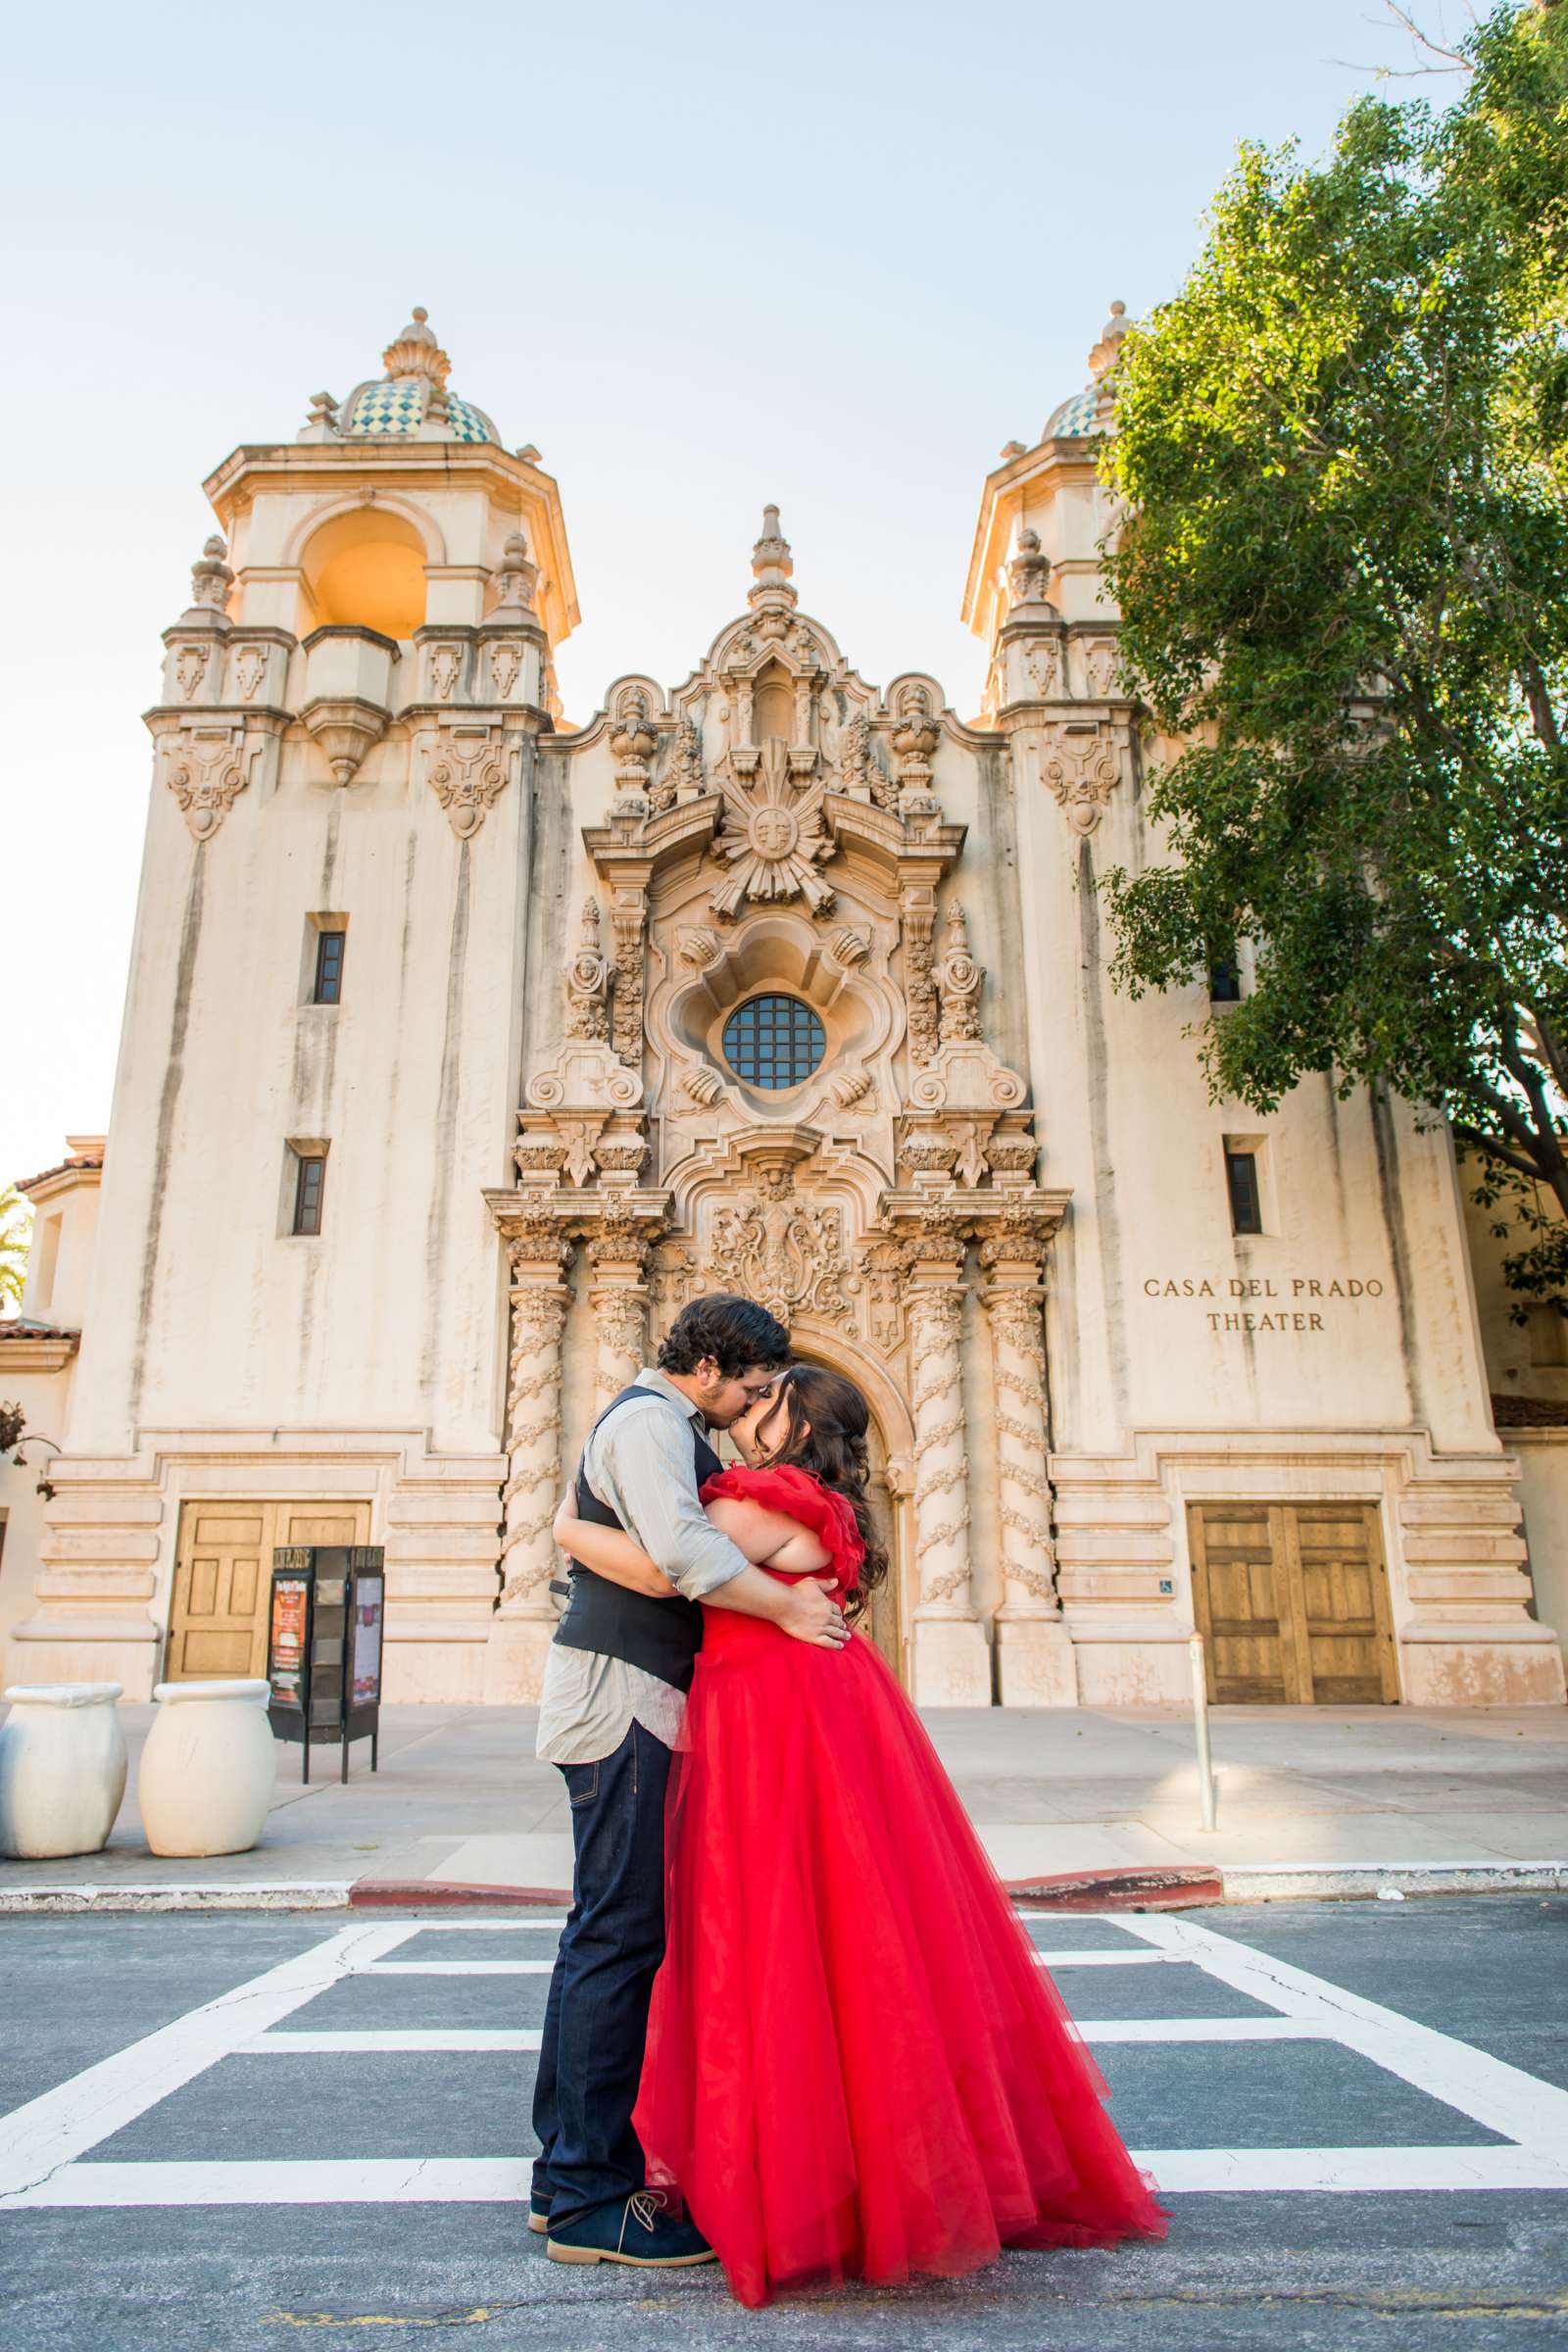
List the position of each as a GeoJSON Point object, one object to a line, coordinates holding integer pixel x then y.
{"type": "Point", "coordinates": [785, 1251]}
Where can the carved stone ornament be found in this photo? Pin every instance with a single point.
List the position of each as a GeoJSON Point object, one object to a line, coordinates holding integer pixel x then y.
{"type": "Point", "coordinates": [699, 945]}
{"type": "Point", "coordinates": [683, 779]}
{"type": "Point", "coordinates": [633, 740]}
{"type": "Point", "coordinates": [211, 578]}
{"type": "Point", "coordinates": [959, 981]}
{"type": "Point", "coordinates": [773, 838]}
{"type": "Point", "coordinates": [190, 667]}
{"type": "Point", "coordinates": [506, 662]}
{"type": "Point", "coordinates": [917, 733]}
{"type": "Point", "coordinates": [468, 771]}
{"type": "Point", "coordinates": [860, 774]}
{"type": "Point", "coordinates": [1029, 573]}
{"type": "Point", "coordinates": [250, 667]}
{"type": "Point", "coordinates": [446, 667]}
{"type": "Point", "coordinates": [923, 1014]}
{"type": "Point", "coordinates": [1081, 767]}
{"type": "Point", "coordinates": [1102, 678]}
{"type": "Point", "coordinates": [516, 579]}
{"type": "Point", "coordinates": [588, 982]}
{"type": "Point", "coordinates": [1043, 668]}
{"type": "Point", "coordinates": [851, 944]}
{"type": "Point", "coordinates": [784, 1252]}
{"type": "Point", "coordinates": [207, 769]}
{"type": "Point", "coordinates": [884, 1269]}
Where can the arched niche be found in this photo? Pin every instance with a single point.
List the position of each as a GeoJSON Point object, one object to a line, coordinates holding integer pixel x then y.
{"type": "Point", "coordinates": [775, 955]}
{"type": "Point", "coordinates": [365, 568]}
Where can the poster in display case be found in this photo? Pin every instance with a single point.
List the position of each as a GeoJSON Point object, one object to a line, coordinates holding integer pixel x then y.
{"type": "Point", "coordinates": [324, 1651]}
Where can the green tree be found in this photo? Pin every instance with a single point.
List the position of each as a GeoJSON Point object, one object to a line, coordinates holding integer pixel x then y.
{"type": "Point", "coordinates": [14, 1238]}
{"type": "Point", "coordinates": [1343, 459]}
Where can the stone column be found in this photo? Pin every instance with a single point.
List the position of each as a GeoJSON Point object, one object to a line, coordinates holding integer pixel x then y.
{"type": "Point", "coordinates": [1034, 1653]}
{"type": "Point", "coordinates": [618, 1256]}
{"type": "Point", "coordinates": [951, 1664]}
{"type": "Point", "coordinates": [525, 1615]}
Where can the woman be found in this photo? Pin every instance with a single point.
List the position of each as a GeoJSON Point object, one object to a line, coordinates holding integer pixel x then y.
{"type": "Point", "coordinates": [856, 2067]}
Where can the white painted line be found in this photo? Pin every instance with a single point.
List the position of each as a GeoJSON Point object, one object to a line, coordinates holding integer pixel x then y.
{"type": "Point", "coordinates": [1502, 2097]}
{"type": "Point", "coordinates": [48, 2132]}
{"type": "Point", "coordinates": [455, 1968]}
{"type": "Point", "coordinates": [462, 2180]}
{"type": "Point", "coordinates": [295, 2044]}
{"type": "Point", "coordinates": [1358, 2171]}
{"type": "Point", "coordinates": [1194, 2029]}
{"type": "Point", "coordinates": [1102, 1959]}
{"type": "Point", "coordinates": [371, 2181]}
{"type": "Point", "coordinates": [488, 1927]}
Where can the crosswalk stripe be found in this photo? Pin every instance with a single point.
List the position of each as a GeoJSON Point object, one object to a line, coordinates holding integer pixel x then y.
{"type": "Point", "coordinates": [297, 2043]}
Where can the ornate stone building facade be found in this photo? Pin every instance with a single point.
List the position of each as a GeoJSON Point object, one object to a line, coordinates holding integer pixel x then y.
{"type": "Point", "coordinates": [462, 1046]}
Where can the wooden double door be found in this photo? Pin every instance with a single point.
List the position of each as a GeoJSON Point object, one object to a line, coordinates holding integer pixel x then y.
{"type": "Point", "coordinates": [1292, 1601]}
{"type": "Point", "coordinates": [223, 1577]}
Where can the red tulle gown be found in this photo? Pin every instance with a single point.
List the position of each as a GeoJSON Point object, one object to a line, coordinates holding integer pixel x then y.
{"type": "Point", "coordinates": [855, 2068]}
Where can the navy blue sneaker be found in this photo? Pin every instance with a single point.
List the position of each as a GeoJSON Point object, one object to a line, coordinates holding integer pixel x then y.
{"type": "Point", "coordinates": [538, 2213]}
{"type": "Point", "coordinates": [635, 2229]}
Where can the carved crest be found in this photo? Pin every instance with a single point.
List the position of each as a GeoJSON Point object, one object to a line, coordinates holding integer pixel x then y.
{"type": "Point", "coordinates": [773, 838]}
{"type": "Point", "coordinates": [785, 1251]}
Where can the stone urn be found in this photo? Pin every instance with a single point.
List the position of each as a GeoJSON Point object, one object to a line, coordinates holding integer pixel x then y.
{"type": "Point", "coordinates": [207, 1769]}
{"type": "Point", "coordinates": [62, 1769]}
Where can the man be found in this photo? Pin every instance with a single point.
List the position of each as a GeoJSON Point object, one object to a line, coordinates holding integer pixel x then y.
{"type": "Point", "coordinates": [614, 1693]}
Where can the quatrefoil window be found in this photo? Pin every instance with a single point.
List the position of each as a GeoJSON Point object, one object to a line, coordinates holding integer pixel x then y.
{"type": "Point", "coordinates": [773, 1040]}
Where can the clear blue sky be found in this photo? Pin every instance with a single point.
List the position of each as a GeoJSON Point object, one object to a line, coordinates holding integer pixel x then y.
{"type": "Point", "coordinates": [704, 256]}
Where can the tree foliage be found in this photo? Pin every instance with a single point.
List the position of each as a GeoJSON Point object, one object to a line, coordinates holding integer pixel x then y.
{"type": "Point", "coordinates": [12, 1245]}
{"type": "Point", "coordinates": [1342, 454]}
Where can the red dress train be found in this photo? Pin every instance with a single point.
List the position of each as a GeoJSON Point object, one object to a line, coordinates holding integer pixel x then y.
{"type": "Point", "coordinates": [856, 2067]}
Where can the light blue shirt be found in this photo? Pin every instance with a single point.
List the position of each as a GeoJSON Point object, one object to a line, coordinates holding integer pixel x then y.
{"type": "Point", "coordinates": [640, 1462]}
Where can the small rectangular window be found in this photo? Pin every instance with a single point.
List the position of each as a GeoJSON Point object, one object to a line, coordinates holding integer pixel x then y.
{"type": "Point", "coordinates": [1548, 1335]}
{"type": "Point", "coordinates": [328, 988]}
{"type": "Point", "coordinates": [308, 1180]}
{"type": "Point", "coordinates": [1246, 1200]}
{"type": "Point", "coordinates": [1224, 981]}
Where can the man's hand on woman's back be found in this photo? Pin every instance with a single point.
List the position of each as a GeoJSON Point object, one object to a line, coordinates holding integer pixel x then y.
{"type": "Point", "coordinates": [811, 1615]}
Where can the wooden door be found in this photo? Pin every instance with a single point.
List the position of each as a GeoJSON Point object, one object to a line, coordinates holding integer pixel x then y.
{"type": "Point", "coordinates": [223, 1574]}
{"type": "Point", "coordinates": [1292, 1601]}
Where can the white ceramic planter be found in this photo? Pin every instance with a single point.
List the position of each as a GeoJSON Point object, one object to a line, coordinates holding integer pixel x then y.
{"type": "Point", "coordinates": [62, 1769]}
{"type": "Point", "coordinates": [207, 1769]}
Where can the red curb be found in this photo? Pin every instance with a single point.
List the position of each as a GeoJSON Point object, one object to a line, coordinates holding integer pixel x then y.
{"type": "Point", "coordinates": [1069, 1890]}
{"type": "Point", "coordinates": [1120, 1889]}
{"type": "Point", "coordinates": [451, 1894]}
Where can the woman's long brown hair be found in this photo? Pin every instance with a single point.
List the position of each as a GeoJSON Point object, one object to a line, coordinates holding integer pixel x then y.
{"type": "Point", "coordinates": [824, 1421]}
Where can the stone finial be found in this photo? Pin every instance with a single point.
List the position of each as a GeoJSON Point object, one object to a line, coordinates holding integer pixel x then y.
{"type": "Point", "coordinates": [322, 423]}
{"type": "Point", "coordinates": [1107, 350]}
{"type": "Point", "coordinates": [210, 578]}
{"type": "Point", "coordinates": [416, 354]}
{"type": "Point", "coordinates": [1102, 366]}
{"type": "Point", "coordinates": [517, 578]}
{"type": "Point", "coordinates": [771, 567]}
{"type": "Point", "coordinates": [1029, 573]}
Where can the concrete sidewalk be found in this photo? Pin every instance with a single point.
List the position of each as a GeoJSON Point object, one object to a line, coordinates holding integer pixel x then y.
{"type": "Point", "coordinates": [1343, 1798]}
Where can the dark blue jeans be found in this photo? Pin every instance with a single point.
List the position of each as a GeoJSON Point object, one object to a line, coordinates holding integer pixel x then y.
{"type": "Point", "coordinates": [595, 2018]}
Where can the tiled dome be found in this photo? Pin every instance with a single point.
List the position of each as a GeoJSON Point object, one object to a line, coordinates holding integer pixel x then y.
{"type": "Point", "coordinates": [411, 398]}
{"type": "Point", "coordinates": [1074, 415]}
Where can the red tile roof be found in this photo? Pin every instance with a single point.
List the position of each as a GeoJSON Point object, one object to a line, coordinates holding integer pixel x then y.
{"type": "Point", "coordinates": [73, 1159]}
{"type": "Point", "coordinates": [1530, 1412]}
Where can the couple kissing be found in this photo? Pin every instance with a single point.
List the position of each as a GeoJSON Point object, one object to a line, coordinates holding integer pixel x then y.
{"type": "Point", "coordinates": [795, 2024]}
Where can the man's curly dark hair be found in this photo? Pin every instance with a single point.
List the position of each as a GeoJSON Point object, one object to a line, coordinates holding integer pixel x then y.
{"type": "Point", "coordinates": [735, 1332]}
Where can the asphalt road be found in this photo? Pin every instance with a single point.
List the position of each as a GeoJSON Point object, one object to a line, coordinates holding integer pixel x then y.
{"type": "Point", "coordinates": [1317, 2085]}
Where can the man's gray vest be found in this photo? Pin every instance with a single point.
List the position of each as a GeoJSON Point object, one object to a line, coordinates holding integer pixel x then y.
{"type": "Point", "coordinates": [662, 1636]}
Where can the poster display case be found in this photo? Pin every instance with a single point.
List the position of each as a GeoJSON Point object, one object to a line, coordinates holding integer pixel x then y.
{"type": "Point", "coordinates": [324, 1647]}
